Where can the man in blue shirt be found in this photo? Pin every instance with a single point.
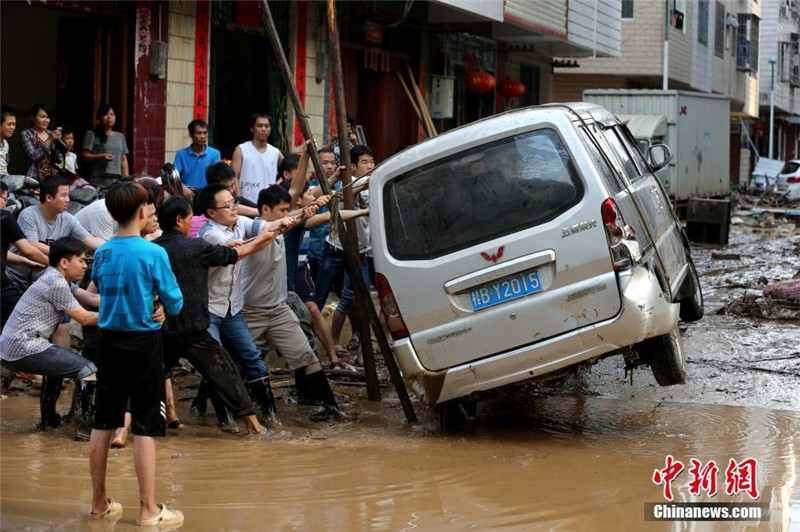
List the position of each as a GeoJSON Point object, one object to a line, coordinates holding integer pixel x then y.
{"type": "Point", "coordinates": [191, 162]}
{"type": "Point", "coordinates": [128, 272]}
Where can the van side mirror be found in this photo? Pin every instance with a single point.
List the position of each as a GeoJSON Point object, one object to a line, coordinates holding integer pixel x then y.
{"type": "Point", "coordinates": [660, 156]}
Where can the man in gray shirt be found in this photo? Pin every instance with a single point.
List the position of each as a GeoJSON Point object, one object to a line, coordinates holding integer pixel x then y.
{"type": "Point", "coordinates": [269, 317]}
{"type": "Point", "coordinates": [45, 223]}
{"type": "Point", "coordinates": [25, 345]}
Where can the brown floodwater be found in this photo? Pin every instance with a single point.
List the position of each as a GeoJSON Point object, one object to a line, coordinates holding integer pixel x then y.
{"type": "Point", "coordinates": [559, 463]}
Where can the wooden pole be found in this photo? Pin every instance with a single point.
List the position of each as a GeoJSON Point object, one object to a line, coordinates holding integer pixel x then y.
{"type": "Point", "coordinates": [350, 254]}
{"type": "Point", "coordinates": [413, 104]}
{"type": "Point", "coordinates": [421, 102]}
{"type": "Point", "coordinates": [361, 323]}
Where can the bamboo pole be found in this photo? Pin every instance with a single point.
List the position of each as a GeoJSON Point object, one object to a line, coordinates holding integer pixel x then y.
{"type": "Point", "coordinates": [413, 104]}
{"type": "Point", "coordinates": [422, 105]}
{"type": "Point", "coordinates": [361, 313]}
{"type": "Point", "coordinates": [350, 254]}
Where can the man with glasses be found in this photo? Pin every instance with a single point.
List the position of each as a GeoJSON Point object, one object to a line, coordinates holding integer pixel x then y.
{"type": "Point", "coordinates": [222, 174]}
{"type": "Point", "coordinates": [225, 300]}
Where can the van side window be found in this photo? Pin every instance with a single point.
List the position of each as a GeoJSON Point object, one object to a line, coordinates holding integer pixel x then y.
{"type": "Point", "coordinates": [480, 194]}
{"type": "Point", "coordinates": [634, 150]}
{"type": "Point", "coordinates": [623, 155]}
{"type": "Point", "coordinates": [607, 173]}
{"type": "Point", "coordinates": [611, 155]}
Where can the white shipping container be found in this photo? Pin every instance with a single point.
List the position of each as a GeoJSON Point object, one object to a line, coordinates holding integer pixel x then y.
{"type": "Point", "coordinates": [697, 131]}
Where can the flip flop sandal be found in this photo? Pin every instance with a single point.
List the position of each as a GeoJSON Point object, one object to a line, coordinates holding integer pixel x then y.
{"type": "Point", "coordinates": [113, 510]}
{"type": "Point", "coordinates": [177, 424]}
{"type": "Point", "coordinates": [166, 517]}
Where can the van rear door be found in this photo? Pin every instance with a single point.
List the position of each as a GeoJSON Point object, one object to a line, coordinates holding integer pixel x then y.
{"type": "Point", "coordinates": [496, 247]}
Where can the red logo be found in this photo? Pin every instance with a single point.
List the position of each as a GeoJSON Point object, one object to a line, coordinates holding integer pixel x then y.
{"type": "Point", "coordinates": [494, 257]}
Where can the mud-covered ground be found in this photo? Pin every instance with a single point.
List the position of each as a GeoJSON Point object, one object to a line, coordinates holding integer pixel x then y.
{"type": "Point", "coordinates": [576, 457]}
{"type": "Point", "coordinates": [732, 359]}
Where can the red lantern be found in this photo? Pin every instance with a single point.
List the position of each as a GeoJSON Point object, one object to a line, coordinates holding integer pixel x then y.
{"type": "Point", "coordinates": [481, 81]}
{"type": "Point", "coordinates": [511, 88]}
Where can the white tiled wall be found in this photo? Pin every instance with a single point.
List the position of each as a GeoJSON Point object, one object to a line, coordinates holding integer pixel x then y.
{"type": "Point", "coordinates": [180, 74]}
{"type": "Point", "coordinates": [315, 91]}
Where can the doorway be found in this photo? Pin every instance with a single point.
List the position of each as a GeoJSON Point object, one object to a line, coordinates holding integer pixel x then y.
{"type": "Point", "coordinates": [79, 60]}
{"type": "Point", "coordinates": [240, 82]}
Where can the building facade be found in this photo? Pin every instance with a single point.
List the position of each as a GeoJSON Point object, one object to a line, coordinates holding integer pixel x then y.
{"type": "Point", "coordinates": [779, 78]}
{"type": "Point", "coordinates": [163, 63]}
{"type": "Point", "coordinates": [697, 45]}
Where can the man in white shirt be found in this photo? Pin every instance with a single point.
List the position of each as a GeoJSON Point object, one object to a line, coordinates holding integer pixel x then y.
{"type": "Point", "coordinates": [225, 299]}
{"type": "Point", "coordinates": [255, 162]}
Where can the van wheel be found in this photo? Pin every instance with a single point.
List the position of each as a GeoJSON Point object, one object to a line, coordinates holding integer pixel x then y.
{"type": "Point", "coordinates": [692, 307]}
{"type": "Point", "coordinates": [666, 357]}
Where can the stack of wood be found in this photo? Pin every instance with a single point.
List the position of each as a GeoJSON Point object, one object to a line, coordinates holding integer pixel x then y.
{"type": "Point", "coordinates": [418, 103]}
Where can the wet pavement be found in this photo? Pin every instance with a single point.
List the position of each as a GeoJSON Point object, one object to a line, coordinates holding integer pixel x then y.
{"type": "Point", "coordinates": [577, 457]}
{"type": "Point", "coordinates": [732, 359]}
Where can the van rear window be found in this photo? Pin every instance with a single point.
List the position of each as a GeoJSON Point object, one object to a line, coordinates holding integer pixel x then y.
{"type": "Point", "coordinates": [479, 194]}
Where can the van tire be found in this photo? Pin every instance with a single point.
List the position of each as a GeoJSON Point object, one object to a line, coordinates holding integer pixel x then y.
{"type": "Point", "coordinates": [454, 414]}
{"type": "Point", "coordinates": [666, 357]}
{"type": "Point", "coordinates": [692, 307]}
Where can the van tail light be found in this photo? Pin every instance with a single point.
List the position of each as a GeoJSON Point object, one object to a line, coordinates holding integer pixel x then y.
{"type": "Point", "coordinates": [389, 308]}
{"type": "Point", "coordinates": [616, 233]}
{"type": "Point", "coordinates": [795, 179]}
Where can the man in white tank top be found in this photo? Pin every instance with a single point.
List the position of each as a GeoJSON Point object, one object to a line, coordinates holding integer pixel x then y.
{"type": "Point", "coordinates": [255, 162]}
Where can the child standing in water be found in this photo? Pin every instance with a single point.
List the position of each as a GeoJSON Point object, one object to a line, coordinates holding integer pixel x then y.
{"type": "Point", "coordinates": [129, 271]}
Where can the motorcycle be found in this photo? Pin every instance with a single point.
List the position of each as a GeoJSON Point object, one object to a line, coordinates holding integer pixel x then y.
{"type": "Point", "coordinates": [23, 192]}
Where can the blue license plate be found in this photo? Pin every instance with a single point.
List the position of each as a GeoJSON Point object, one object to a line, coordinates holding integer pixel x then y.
{"type": "Point", "coordinates": [506, 290]}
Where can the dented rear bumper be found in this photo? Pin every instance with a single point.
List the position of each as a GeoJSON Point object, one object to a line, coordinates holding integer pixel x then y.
{"type": "Point", "coordinates": [645, 312]}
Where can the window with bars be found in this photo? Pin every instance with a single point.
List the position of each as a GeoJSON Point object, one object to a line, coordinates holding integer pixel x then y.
{"type": "Point", "coordinates": [627, 9]}
{"type": "Point", "coordinates": [747, 42]}
{"type": "Point", "coordinates": [702, 21]}
{"type": "Point", "coordinates": [789, 61]}
{"type": "Point", "coordinates": [719, 29]}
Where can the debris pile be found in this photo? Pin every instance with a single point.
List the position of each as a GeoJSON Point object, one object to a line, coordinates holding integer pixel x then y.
{"type": "Point", "coordinates": [776, 301]}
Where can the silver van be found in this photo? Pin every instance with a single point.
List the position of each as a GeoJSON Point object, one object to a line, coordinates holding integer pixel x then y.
{"type": "Point", "coordinates": [525, 245]}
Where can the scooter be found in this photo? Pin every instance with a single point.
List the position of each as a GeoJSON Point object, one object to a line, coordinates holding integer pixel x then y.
{"type": "Point", "coordinates": [23, 192]}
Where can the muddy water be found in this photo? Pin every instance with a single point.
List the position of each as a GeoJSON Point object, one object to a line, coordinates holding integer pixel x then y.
{"type": "Point", "coordinates": [562, 463]}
